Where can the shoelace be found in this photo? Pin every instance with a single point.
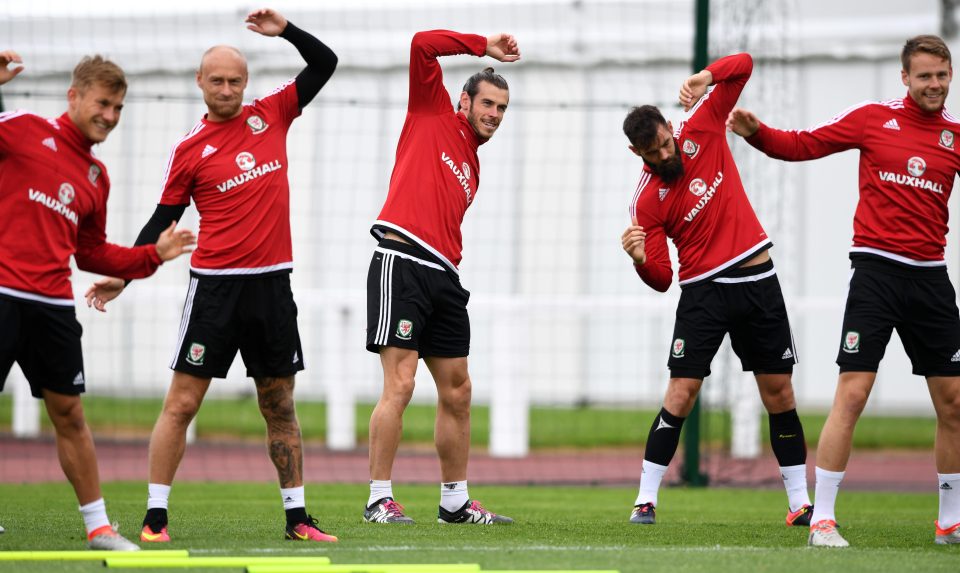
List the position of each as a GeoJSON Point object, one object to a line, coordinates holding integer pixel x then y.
{"type": "Point", "coordinates": [313, 523]}
{"type": "Point", "coordinates": [477, 507]}
{"type": "Point", "coordinates": [646, 508]}
{"type": "Point", "coordinates": [825, 527]}
{"type": "Point", "coordinates": [393, 508]}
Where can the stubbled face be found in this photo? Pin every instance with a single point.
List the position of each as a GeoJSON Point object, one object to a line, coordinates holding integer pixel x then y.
{"type": "Point", "coordinates": [662, 155]}
{"type": "Point", "coordinates": [222, 78]}
{"type": "Point", "coordinates": [928, 80]}
{"type": "Point", "coordinates": [95, 110]}
{"type": "Point", "coordinates": [485, 111]}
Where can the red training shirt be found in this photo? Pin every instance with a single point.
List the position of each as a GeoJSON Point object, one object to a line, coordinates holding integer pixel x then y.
{"type": "Point", "coordinates": [705, 212]}
{"type": "Point", "coordinates": [53, 197]}
{"type": "Point", "coordinates": [236, 173]}
{"type": "Point", "coordinates": [908, 160]}
{"type": "Point", "coordinates": [437, 171]}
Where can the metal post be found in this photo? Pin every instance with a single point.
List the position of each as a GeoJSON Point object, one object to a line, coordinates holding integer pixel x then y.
{"type": "Point", "coordinates": [690, 471]}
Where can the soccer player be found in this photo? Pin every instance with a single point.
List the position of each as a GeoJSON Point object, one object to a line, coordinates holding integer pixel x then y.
{"type": "Point", "coordinates": [416, 306]}
{"type": "Point", "coordinates": [908, 161]}
{"type": "Point", "coordinates": [690, 191]}
{"type": "Point", "coordinates": [233, 165]}
{"type": "Point", "coordinates": [53, 196]}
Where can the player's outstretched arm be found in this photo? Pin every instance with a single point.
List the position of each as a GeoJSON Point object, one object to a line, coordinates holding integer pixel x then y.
{"type": "Point", "coordinates": [503, 47]}
{"type": "Point", "coordinates": [742, 122]}
{"type": "Point", "coordinates": [320, 59]}
{"type": "Point", "coordinates": [694, 87]}
{"type": "Point", "coordinates": [8, 57]}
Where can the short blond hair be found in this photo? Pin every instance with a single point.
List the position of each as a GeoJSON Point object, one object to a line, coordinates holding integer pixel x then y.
{"type": "Point", "coordinates": [927, 44]}
{"type": "Point", "coordinates": [98, 70]}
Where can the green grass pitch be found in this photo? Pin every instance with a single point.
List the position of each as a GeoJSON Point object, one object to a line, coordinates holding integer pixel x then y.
{"type": "Point", "coordinates": [707, 530]}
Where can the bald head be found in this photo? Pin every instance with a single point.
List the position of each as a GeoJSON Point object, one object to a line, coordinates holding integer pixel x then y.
{"type": "Point", "coordinates": [223, 54]}
{"type": "Point", "coordinates": [222, 77]}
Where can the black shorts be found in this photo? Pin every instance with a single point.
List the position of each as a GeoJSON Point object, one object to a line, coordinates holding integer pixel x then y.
{"type": "Point", "coordinates": [920, 303]}
{"type": "Point", "coordinates": [414, 302]}
{"type": "Point", "coordinates": [255, 315]}
{"type": "Point", "coordinates": [748, 304]}
{"type": "Point", "coordinates": [45, 340]}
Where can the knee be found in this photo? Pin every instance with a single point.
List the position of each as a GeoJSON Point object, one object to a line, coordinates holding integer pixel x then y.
{"type": "Point", "coordinates": [778, 397]}
{"type": "Point", "coordinates": [850, 403]}
{"type": "Point", "coordinates": [456, 398]}
{"type": "Point", "coordinates": [278, 407]}
{"type": "Point", "coordinates": [68, 418]}
{"type": "Point", "coordinates": [948, 410]}
{"type": "Point", "coordinates": [398, 390]}
{"type": "Point", "coordinates": [181, 409]}
{"type": "Point", "coordinates": [680, 398]}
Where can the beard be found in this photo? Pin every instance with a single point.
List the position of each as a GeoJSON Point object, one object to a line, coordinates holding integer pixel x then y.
{"type": "Point", "coordinates": [669, 170]}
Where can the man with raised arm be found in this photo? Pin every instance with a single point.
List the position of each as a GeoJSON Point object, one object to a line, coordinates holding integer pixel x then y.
{"type": "Point", "coordinates": [690, 191]}
{"type": "Point", "coordinates": [416, 306]}
{"type": "Point", "coordinates": [908, 162]}
{"type": "Point", "coordinates": [233, 166]}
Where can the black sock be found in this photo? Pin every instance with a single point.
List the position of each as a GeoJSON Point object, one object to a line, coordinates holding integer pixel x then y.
{"type": "Point", "coordinates": [296, 515]}
{"type": "Point", "coordinates": [156, 518]}
{"type": "Point", "coordinates": [663, 439]}
{"type": "Point", "coordinates": [786, 439]}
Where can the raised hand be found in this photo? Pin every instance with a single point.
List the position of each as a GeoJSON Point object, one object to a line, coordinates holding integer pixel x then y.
{"type": "Point", "coordinates": [503, 47]}
{"type": "Point", "coordinates": [103, 291]}
{"type": "Point", "coordinates": [8, 57]}
{"type": "Point", "coordinates": [694, 87]}
{"type": "Point", "coordinates": [266, 22]}
{"type": "Point", "coordinates": [633, 241]}
{"type": "Point", "coordinates": [742, 122]}
{"type": "Point", "coordinates": [174, 242]}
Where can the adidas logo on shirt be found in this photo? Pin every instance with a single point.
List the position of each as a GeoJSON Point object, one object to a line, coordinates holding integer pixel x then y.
{"type": "Point", "coordinates": [786, 354]}
{"type": "Point", "coordinates": [892, 124]}
{"type": "Point", "coordinates": [208, 151]}
{"type": "Point", "coordinates": [51, 143]}
{"type": "Point", "coordinates": [956, 357]}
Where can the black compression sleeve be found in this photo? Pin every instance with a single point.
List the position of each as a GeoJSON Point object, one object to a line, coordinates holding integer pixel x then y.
{"type": "Point", "coordinates": [158, 223]}
{"type": "Point", "coordinates": [321, 62]}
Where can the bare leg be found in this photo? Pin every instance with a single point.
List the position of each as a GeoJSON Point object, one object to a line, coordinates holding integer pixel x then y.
{"type": "Point", "coordinates": [836, 438]}
{"type": "Point", "coordinates": [169, 438]}
{"type": "Point", "coordinates": [386, 422]}
{"type": "Point", "coordinates": [275, 396]}
{"type": "Point", "coordinates": [75, 448]}
{"type": "Point", "coordinates": [945, 392]}
{"type": "Point", "coordinates": [776, 392]}
{"type": "Point", "coordinates": [452, 430]}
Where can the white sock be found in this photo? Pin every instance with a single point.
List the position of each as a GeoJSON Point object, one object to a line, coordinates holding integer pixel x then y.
{"type": "Point", "coordinates": [379, 489]}
{"type": "Point", "coordinates": [650, 483]}
{"type": "Point", "coordinates": [158, 495]}
{"type": "Point", "coordinates": [453, 495]}
{"type": "Point", "coordinates": [94, 515]}
{"type": "Point", "coordinates": [795, 482]}
{"type": "Point", "coordinates": [292, 497]}
{"type": "Point", "coordinates": [949, 500]}
{"type": "Point", "coordinates": [825, 496]}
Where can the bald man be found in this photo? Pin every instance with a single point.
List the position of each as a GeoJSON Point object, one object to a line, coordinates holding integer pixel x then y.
{"type": "Point", "coordinates": [233, 166]}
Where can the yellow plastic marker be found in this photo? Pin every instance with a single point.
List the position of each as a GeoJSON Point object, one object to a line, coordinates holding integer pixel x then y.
{"type": "Point", "coordinates": [313, 562]}
{"type": "Point", "coordinates": [89, 555]}
{"type": "Point", "coordinates": [369, 568]}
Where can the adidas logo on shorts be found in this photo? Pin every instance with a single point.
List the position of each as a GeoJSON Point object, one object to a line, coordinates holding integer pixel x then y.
{"type": "Point", "coordinates": [787, 354]}
{"type": "Point", "coordinates": [956, 357]}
